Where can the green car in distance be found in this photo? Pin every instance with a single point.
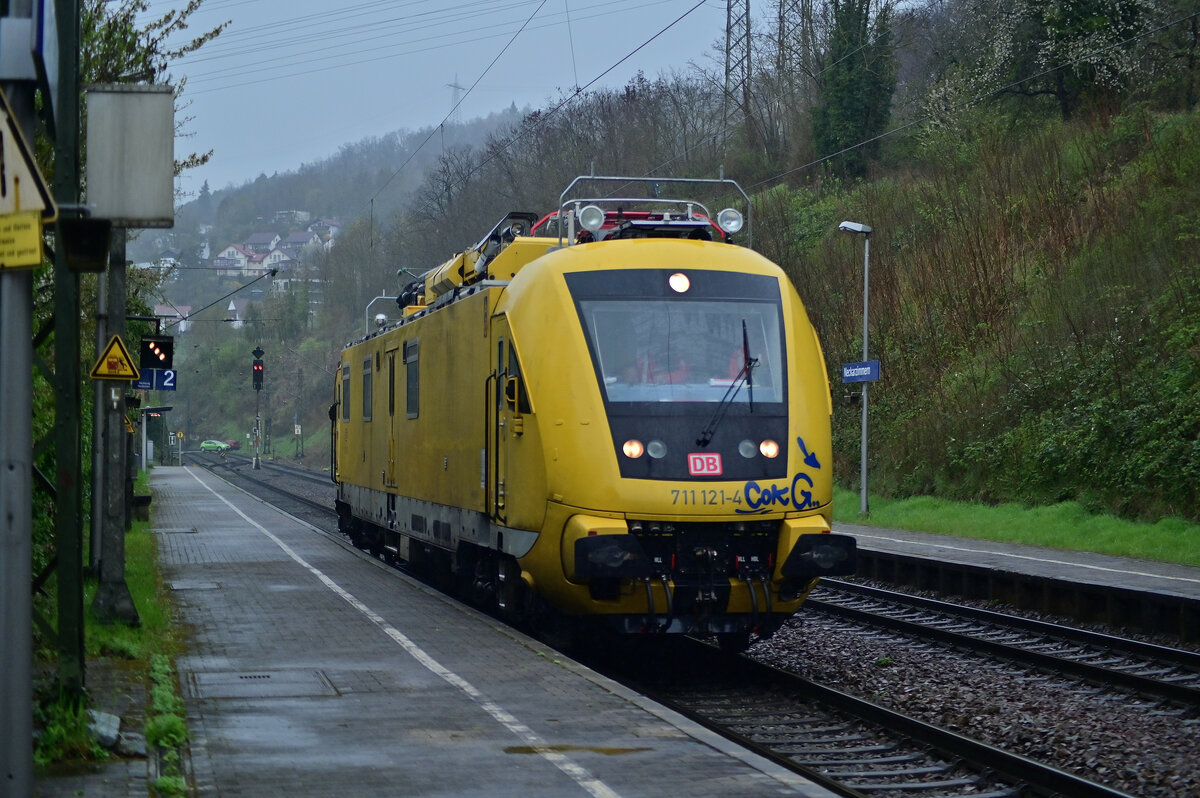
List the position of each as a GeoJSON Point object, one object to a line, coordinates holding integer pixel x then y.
{"type": "Point", "coordinates": [214, 446]}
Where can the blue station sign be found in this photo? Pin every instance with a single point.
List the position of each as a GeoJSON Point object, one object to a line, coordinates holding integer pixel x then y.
{"type": "Point", "coordinates": [156, 380]}
{"type": "Point", "coordinates": [867, 371]}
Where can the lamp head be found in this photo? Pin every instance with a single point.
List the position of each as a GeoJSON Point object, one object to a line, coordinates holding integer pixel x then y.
{"type": "Point", "coordinates": [855, 227]}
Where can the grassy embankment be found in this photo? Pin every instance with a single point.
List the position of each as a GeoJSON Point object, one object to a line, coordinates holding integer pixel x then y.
{"type": "Point", "coordinates": [145, 653]}
{"type": "Point", "coordinates": [1066, 525]}
{"type": "Point", "coordinates": [1035, 303]}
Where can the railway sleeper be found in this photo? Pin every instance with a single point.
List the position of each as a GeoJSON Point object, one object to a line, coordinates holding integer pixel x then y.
{"type": "Point", "coordinates": [887, 774]}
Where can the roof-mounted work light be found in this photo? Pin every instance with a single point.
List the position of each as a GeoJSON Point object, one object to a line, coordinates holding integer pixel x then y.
{"type": "Point", "coordinates": [730, 221]}
{"type": "Point", "coordinates": [591, 218]}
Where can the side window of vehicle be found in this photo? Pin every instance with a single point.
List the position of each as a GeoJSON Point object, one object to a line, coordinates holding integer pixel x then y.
{"type": "Point", "coordinates": [412, 378]}
{"type": "Point", "coordinates": [391, 378]}
{"type": "Point", "coordinates": [500, 373]}
{"type": "Point", "coordinates": [514, 371]}
{"type": "Point", "coordinates": [345, 392]}
{"type": "Point", "coordinates": [366, 388]}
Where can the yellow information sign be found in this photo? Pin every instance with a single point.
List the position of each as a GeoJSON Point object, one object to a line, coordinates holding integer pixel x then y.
{"type": "Point", "coordinates": [115, 363]}
{"type": "Point", "coordinates": [20, 240]}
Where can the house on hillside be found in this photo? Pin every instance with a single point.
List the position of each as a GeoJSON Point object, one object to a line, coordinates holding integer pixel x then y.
{"type": "Point", "coordinates": [236, 312]}
{"type": "Point", "coordinates": [292, 217]}
{"type": "Point", "coordinates": [278, 259]}
{"type": "Point", "coordinates": [234, 256]}
{"type": "Point", "coordinates": [295, 243]}
{"type": "Point", "coordinates": [262, 242]}
{"type": "Point", "coordinates": [254, 265]}
{"type": "Point", "coordinates": [327, 229]}
{"type": "Point", "coordinates": [174, 315]}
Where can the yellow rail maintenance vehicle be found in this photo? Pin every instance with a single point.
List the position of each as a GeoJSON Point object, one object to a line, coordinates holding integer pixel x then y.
{"type": "Point", "coordinates": [610, 417]}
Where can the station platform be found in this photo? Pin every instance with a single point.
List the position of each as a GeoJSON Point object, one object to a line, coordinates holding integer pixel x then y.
{"type": "Point", "coordinates": [1153, 597]}
{"type": "Point", "coordinates": [313, 670]}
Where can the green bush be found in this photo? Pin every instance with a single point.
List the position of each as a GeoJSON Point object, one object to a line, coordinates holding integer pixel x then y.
{"type": "Point", "coordinates": [65, 732]}
{"type": "Point", "coordinates": [166, 731]}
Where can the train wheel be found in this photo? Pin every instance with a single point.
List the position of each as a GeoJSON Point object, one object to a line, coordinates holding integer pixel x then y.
{"type": "Point", "coordinates": [733, 642]}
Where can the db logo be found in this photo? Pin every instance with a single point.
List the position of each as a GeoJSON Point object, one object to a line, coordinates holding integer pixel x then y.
{"type": "Point", "coordinates": [704, 465]}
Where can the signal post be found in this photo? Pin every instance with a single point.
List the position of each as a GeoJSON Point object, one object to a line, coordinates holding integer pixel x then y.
{"type": "Point", "coordinates": [257, 382]}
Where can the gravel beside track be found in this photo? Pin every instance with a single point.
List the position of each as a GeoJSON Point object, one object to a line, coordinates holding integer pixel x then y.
{"type": "Point", "coordinates": [1141, 747]}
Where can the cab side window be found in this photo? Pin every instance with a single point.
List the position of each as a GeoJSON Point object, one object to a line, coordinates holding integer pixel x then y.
{"type": "Point", "coordinates": [345, 392]}
{"type": "Point", "coordinates": [366, 391]}
{"type": "Point", "coordinates": [412, 378]}
{"type": "Point", "coordinates": [514, 371]}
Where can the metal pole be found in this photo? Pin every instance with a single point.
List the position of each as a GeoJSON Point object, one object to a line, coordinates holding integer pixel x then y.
{"type": "Point", "coordinates": [68, 527]}
{"type": "Point", "coordinates": [257, 430]}
{"type": "Point", "coordinates": [16, 494]}
{"type": "Point", "coordinates": [113, 601]}
{"type": "Point", "coordinates": [97, 520]}
{"type": "Point", "coordinates": [862, 504]}
{"type": "Point", "coordinates": [16, 531]}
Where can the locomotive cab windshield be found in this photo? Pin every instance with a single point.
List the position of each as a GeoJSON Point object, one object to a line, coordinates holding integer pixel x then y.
{"type": "Point", "coordinates": [669, 349]}
{"type": "Point", "coordinates": [660, 351]}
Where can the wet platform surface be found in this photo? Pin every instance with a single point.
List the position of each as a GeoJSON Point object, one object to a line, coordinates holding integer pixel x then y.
{"type": "Point", "coordinates": [313, 670]}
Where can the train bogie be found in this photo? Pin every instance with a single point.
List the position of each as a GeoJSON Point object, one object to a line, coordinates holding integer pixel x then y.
{"type": "Point", "coordinates": [627, 426]}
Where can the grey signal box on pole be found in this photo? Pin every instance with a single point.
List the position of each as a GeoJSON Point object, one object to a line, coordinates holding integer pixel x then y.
{"type": "Point", "coordinates": [131, 154]}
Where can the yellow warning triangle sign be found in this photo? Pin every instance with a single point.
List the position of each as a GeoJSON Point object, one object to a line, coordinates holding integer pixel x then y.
{"type": "Point", "coordinates": [115, 363]}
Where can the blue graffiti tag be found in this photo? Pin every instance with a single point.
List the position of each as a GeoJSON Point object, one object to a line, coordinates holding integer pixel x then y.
{"type": "Point", "coordinates": [810, 458]}
{"type": "Point", "coordinates": [798, 492]}
{"type": "Point", "coordinates": [760, 499]}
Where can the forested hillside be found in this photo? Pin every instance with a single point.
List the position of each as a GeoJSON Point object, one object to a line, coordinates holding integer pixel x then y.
{"type": "Point", "coordinates": [1031, 174]}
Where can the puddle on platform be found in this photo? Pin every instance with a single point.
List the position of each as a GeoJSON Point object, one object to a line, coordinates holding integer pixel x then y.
{"type": "Point", "coordinates": [562, 749]}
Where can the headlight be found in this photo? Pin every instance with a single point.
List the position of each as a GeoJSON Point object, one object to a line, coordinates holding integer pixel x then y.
{"type": "Point", "coordinates": [769, 449]}
{"type": "Point", "coordinates": [656, 449]}
{"type": "Point", "coordinates": [591, 218]}
{"type": "Point", "coordinates": [633, 449]}
{"type": "Point", "coordinates": [679, 282]}
{"type": "Point", "coordinates": [747, 449]}
{"type": "Point", "coordinates": [730, 221]}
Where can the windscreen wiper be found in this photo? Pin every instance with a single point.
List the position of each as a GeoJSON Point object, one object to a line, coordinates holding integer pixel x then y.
{"type": "Point", "coordinates": [743, 376]}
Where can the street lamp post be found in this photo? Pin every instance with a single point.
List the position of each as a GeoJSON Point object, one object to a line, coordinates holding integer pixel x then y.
{"type": "Point", "coordinates": [855, 228]}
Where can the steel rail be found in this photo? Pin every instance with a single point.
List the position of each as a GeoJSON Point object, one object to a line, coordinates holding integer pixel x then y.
{"type": "Point", "coordinates": [1139, 647]}
{"type": "Point", "coordinates": [310, 503]}
{"type": "Point", "coordinates": [1109, 677]}
{"type": "Point", "coordinates": [1029, 776]}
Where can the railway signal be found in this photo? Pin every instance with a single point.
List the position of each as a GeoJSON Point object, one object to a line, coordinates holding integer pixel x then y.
{"type": "Point", "coordinates": [257, 367]}
{"type": "Point", "coordinates": [157, 352]}
{"type": "Point", "coordinates": [258, 384]}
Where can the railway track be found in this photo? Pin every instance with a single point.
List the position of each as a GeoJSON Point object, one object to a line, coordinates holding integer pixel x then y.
{"type": "Point", "coordinates": [850, 745]}
{"type": "Point", "coordinates": [1101, 659]}
{"type": "Point", "coordinates": [241, 467]}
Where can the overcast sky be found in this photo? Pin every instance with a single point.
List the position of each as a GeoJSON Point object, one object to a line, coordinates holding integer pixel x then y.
{"type": "Point", "coordinates": [290, 81]}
